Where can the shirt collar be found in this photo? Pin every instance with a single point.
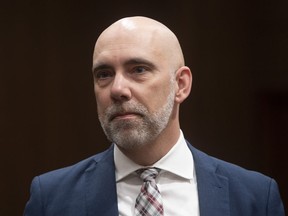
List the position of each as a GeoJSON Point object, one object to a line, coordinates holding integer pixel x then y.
{"type": "Point", "coordinates": [178, 160]}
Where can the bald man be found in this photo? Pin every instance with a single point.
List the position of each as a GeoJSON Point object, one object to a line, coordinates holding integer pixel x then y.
{"type": "Point", "coordinates": [140, 80]}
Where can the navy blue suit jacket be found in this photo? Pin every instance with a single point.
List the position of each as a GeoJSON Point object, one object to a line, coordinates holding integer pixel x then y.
{"type": "Point", "coordinates": [88, 188]}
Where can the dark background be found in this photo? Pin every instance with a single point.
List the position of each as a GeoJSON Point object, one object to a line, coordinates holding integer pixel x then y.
{"type": "Point", "coordinates": [238, 109]}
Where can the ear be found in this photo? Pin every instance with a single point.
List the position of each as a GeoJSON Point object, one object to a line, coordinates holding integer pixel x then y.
{"type": "Point", "coordinates": [184, 84]}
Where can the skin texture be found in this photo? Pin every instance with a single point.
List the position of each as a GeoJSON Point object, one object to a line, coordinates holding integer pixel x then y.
{"type": "Point", "coordinates": [140, 81]}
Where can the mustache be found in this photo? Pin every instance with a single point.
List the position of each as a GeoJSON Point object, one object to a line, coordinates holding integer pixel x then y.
{"type": "Point", "coordinates": [127, 108]}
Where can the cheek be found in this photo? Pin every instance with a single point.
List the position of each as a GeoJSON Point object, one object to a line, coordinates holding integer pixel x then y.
{"type": "Point", "coordinates": [102, 102]}
{"type": "Point", "coordinates": [156, 95]}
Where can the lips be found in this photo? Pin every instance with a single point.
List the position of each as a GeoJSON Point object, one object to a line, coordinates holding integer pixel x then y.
{"type": "Point", "coordinates": [123, 115]}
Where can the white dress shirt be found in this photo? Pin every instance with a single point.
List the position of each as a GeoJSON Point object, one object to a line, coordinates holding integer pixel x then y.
{"type": "Point", "coordinates": [176, 181]}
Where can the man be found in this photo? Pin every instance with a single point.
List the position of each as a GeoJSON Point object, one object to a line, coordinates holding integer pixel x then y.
{"type": "Point", "coordinates": [140, 80]}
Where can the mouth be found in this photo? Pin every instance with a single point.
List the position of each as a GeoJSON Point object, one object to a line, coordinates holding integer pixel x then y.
{"type": "Point", "coordinates": [124, 115]}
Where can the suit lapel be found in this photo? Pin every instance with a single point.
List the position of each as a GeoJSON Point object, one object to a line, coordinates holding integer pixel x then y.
{"type": "Point", "coordinates": [212, 188]}
{"type": "Point", "coordinates": [101, 194]}
{"type": "Point", "coordinates": [100, 186]}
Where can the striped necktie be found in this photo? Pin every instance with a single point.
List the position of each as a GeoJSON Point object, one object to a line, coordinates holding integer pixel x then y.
{"type": "Point", "coordinates": [149, 201]}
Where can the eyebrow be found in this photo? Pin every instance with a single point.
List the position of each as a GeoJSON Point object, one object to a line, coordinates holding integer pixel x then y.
{"type": "Point", "coordinates": [100, 66]}
{"type": "Point", "coordinates": [136, 61]}
{"type": "Point", "coordinates": [132, 61]}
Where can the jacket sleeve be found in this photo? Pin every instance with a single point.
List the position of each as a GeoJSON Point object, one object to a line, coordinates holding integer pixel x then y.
{"type": "Point", "coordinates": [274, 204]}
{"type": "Point", "coordinates": [34, 206]}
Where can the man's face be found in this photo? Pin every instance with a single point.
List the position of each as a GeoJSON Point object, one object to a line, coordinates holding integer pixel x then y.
{"type": "Point", "coordinates": [134, 88]}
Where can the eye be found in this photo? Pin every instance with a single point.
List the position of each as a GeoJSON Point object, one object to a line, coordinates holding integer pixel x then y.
{"type": "Point", "coordinates": [103, 74]}
{"type": "Point", "coordinates": [139, 69]}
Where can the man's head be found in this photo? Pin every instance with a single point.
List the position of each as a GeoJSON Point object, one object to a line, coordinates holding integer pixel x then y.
{"type": "Point", "coordinates": [139, 81]}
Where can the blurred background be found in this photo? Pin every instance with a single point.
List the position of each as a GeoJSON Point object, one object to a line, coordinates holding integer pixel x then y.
{"type": "Point", "coordinates": [238, 109]}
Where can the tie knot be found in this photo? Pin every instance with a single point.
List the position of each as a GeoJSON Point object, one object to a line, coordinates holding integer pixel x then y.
{"type": "Point", "coordinates": [148, 174]}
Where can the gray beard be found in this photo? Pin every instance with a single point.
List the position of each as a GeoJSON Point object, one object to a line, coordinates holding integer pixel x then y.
{"type": "Point", "coordinates": [138, 132]}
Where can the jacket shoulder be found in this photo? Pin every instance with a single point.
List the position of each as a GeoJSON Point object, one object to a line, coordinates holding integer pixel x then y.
{"type": "Point", "coordinates": [76, 170]}
{"type": "Point", "coordinates": [248, 190]}
{"type": "Point", "coordinates": [222, 167]}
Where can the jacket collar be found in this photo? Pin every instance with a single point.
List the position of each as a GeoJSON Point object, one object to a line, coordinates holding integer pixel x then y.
{"type": "Point", "coordinates": [100, 186]}
{"type": "Point", "coordinates": [101, 193]}
{"type": "Point", "coordinates": [212, 187]}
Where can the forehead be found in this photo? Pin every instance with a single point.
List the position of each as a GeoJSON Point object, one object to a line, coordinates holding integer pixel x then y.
{"type": "Point", "coordinates": [122, 46]}
{"type": "Point", "coordinates": [122, 37]}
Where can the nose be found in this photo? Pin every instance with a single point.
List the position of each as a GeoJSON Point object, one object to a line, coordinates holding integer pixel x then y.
{"type": "Point", "coordinates": [120, 90]}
